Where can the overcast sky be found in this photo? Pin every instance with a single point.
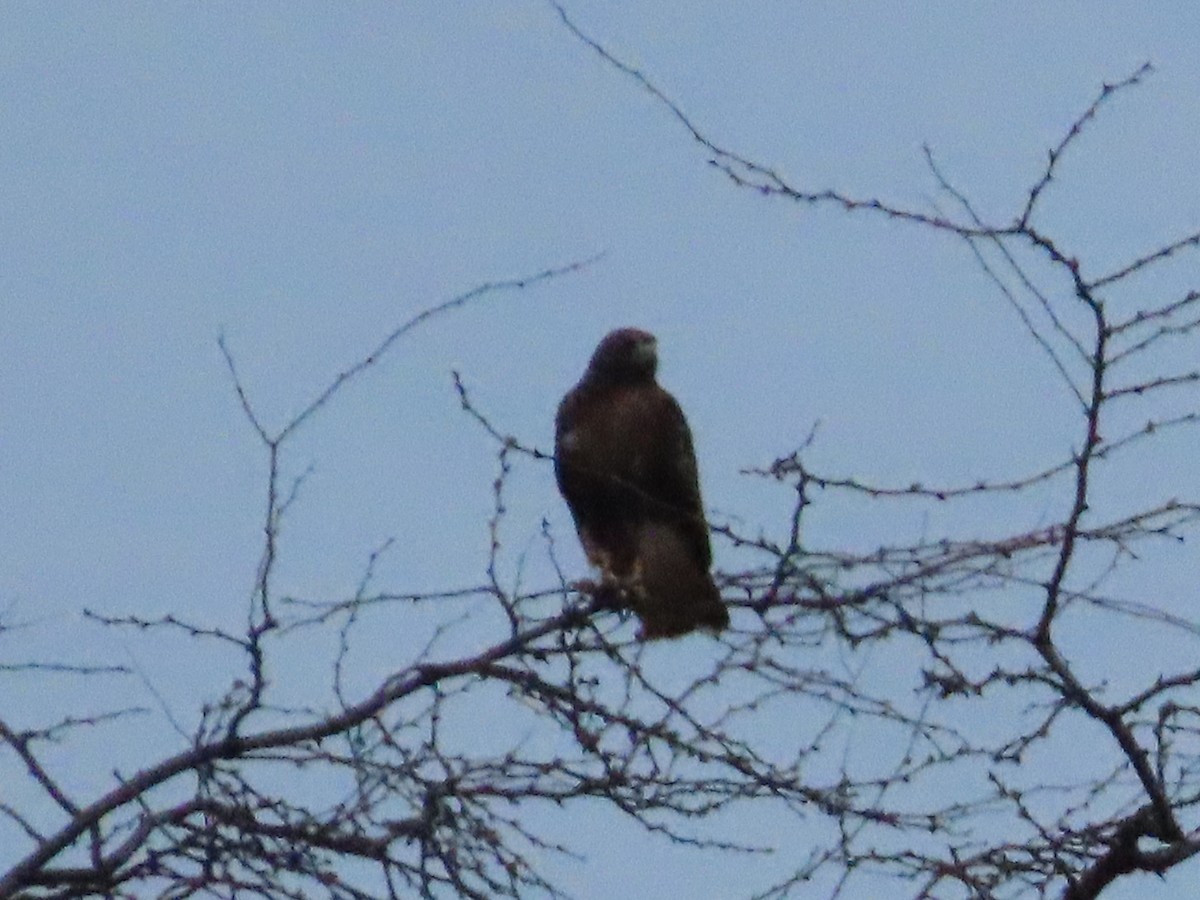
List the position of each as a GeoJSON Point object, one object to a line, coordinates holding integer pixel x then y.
{"type": "Point", "coordinates": [303, 177]}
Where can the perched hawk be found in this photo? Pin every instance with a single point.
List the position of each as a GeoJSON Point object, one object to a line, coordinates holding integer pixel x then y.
{"type": "Point", "coordinates": [625, 465]}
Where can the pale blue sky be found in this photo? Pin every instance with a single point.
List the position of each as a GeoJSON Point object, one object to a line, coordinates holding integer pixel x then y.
{"type": "Point", "coordinates": [302, 177]}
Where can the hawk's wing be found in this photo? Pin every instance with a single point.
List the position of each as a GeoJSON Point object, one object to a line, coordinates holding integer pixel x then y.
{"type": "Point", "coordinates": [673, 478]}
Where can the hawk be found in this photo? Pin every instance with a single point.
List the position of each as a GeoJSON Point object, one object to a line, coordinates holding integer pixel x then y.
{"type": "Point", "coordinates": [625, 465]}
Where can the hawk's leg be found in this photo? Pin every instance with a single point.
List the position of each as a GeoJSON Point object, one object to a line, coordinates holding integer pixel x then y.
{"type": "Point", "coordinates": [610, 592]}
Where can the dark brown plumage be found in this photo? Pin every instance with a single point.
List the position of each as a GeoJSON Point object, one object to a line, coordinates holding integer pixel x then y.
{"type": "Point", "coordinates": [625, 465]}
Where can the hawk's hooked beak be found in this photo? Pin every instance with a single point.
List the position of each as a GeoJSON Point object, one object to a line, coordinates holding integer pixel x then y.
{"type": "Point", "coordinates": [647, 350]}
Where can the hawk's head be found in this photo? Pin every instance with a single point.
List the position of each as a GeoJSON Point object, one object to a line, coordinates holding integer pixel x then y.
{"type": "Point", "coordinates": [627, 354]}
